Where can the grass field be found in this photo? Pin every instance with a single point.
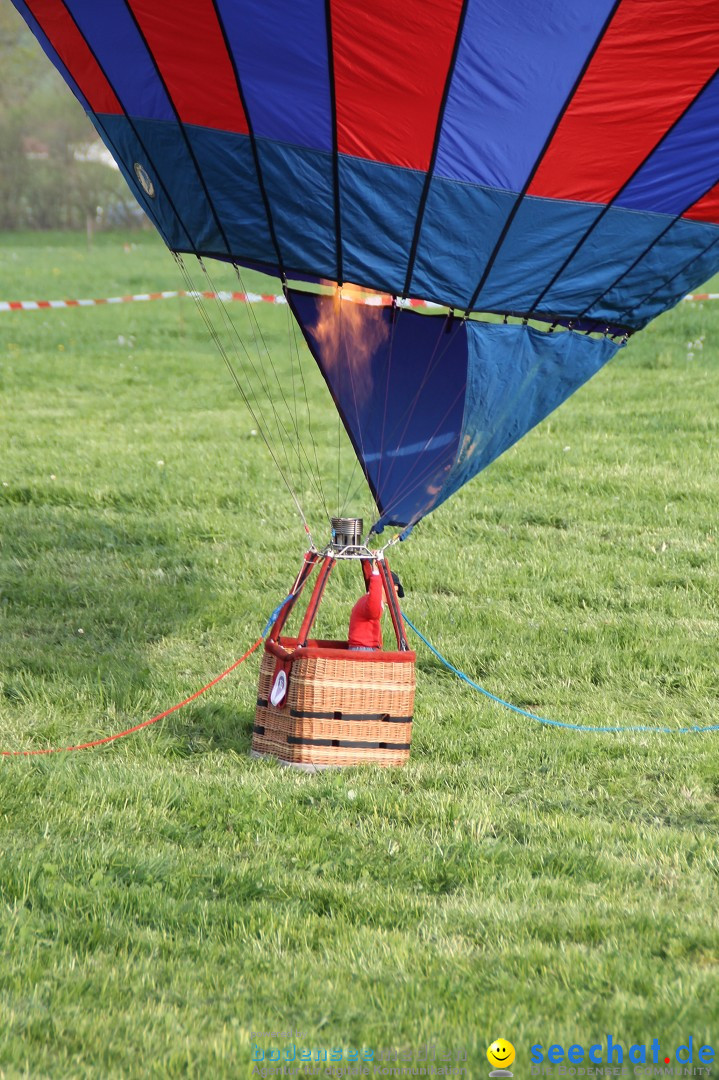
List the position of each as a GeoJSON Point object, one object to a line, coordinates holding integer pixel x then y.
{"type": "Point", "coordinates": [166, 896]}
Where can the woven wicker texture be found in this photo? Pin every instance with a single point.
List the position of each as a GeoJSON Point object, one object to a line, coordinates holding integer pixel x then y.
{"type": "Point", "coordinates": [339, 710]}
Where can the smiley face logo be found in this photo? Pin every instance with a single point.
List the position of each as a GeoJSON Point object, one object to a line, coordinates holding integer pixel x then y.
{"type": "Point", "coordinates": [500, 1054]}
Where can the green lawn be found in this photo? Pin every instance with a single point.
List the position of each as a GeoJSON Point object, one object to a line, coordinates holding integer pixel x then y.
{"type": "Point", "coordinates": [163, 897]}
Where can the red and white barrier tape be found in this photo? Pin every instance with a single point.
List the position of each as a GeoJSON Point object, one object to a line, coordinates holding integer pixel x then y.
{"type": "Point", "coordinates": [41, 305]}
{"type": "Point", "coordinates": [375, 300]}
{"type": "Point", "coordinates": [246, 297]}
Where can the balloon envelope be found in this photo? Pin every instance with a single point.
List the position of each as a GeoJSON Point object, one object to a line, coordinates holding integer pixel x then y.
{"type": "Point", "coordinates": [552, 159]}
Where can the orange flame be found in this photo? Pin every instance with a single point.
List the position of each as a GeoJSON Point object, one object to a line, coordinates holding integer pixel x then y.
{"type": "Point", "coordinates": [352, 328]}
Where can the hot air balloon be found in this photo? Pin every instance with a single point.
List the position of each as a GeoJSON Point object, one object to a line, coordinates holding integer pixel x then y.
{"type": "Point", "coordinates": [550, 162]}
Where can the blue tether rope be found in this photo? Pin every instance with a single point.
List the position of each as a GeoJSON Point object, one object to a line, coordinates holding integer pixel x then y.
{"type": "Point", "coordinates": [542, 719]}
{"type": "Point", "coordinates": [276, 614]}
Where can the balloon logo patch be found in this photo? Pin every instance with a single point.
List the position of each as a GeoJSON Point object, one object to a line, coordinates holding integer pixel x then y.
{"type": "Point", "coordinates": [279, 689]}
{"type": "Point", "coordinates": [144, 177]}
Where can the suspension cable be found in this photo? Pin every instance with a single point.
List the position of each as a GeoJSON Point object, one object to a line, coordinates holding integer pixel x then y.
{"type": "Point", "coordinates": [258, 371]}
{"type": "Point", "coordinates": [258, 336]}
{"type": "Point", "coordinates": [292, 336]}
{"type": "Point", "coordinates": [212, 330]}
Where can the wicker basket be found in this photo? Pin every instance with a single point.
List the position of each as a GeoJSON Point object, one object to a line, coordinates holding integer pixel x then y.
{"type": "Point", "coordinates": [321, 704]}
{"type": "Point", "coordinates": [342, 707]}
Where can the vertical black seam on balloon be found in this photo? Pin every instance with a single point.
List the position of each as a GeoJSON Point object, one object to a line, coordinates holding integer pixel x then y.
{"type": "Point", "coordinates": [669, 280]}
{"type": "Point", "coordinates": [340, 411]}
{"type": "Point", "coordinates": [540, 158]}
{"type": "Point", "coordinates": [136, 133]}
{"type": "Point", "coordinates": [435, 149]}
{"type": "Point", "coordinates": [648, 248]}
{"type": "Point", "coordinates": [608, 206]}
{"type": "Point", "coordinates": [253, 140]}
{"type": "Point", "coordinates": [394, 316]}
{"type": "Point", "coordinates": [448, 327]}
{"type": "Point", "coordinates": [180, 125]}
{"type": "Point", "coordinates": [335, 142]}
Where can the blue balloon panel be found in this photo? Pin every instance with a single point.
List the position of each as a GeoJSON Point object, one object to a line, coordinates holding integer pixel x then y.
{"type": "Point", "coordinates": [398, 380]}
{"type": "Point", "coordinates": [428, 401]}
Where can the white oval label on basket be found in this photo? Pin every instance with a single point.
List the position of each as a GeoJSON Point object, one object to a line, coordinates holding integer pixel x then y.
{"type": "Point", "coordinates": [279, 689]}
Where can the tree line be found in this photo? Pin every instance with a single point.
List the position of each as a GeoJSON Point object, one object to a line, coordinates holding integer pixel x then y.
{"type": "Point", "coordinates": [46, 178]}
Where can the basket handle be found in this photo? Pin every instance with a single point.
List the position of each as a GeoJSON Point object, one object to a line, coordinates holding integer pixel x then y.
{"type": "Point", "coordinates": [278, 650]}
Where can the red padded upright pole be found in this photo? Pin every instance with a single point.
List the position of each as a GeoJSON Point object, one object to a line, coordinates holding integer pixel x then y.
{"type": "Point", "coordinates": [310, 561]}
{"type": "Point", "coordinates": [394, 608]}
{"type": "Point", "coordinates": [326, 567]}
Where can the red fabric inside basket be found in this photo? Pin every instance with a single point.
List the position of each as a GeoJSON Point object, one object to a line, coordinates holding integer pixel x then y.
{"type": "Point", "coordinates": [317, 648]}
